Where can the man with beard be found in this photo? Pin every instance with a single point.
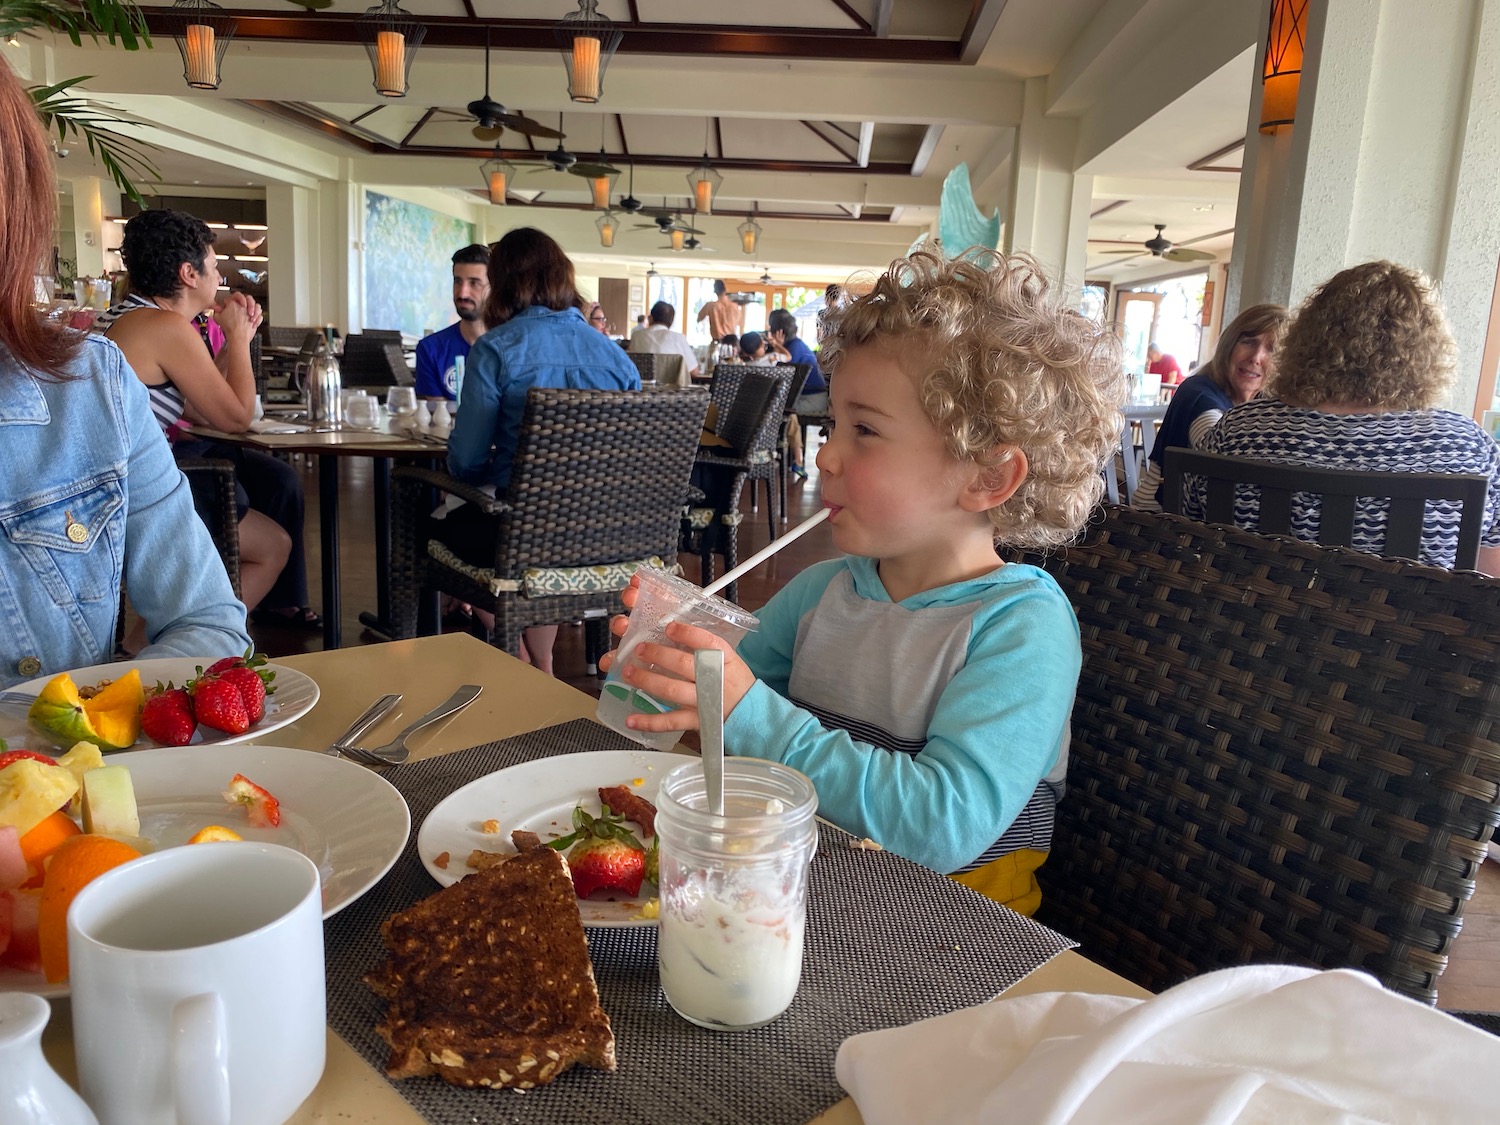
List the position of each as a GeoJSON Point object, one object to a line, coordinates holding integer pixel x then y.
{"type": "Point", "coordinates": [440, 356]}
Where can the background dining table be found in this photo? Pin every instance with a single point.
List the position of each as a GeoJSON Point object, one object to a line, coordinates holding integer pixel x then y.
{"type": "Point", "coordinates": [517, 699]}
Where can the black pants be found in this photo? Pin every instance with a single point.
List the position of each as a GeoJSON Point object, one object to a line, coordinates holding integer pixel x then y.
{"type": "Point", "coordinates": [274, 489]}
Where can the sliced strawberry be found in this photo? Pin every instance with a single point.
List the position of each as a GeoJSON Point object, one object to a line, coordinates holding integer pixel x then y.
{"type": "Point", "coordinates": [21, 755]}
{"type": "Point", "coordinates": [264, 810]}
{"type": "Point", "coordinates": [167, 716]}
{"type": "Point", "coordinates": [217, 703]}
{"type": "Point", "coordinates": [606, 865]}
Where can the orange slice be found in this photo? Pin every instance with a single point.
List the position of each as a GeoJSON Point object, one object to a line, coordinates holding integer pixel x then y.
{"type": "Point", "coordinates": [43, 840]}
{"type": "Point", "coordinates": [76, 863]}
{"type": "Point", "coordinates": [213, 834]}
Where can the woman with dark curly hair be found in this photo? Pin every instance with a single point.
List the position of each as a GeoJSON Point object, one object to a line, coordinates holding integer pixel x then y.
{"type": "Point", "coordinates": [1234, 375]}
{"type": "Point", "coordinates": [1358, 380]}
{"type": "Point", "coordinates": [174, 287]}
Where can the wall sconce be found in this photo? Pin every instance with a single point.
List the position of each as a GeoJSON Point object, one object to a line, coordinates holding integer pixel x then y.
{"type": "Point", "coordinates": [588, 41]}
{"type": "Point", "coordinates": [607, 225]}
{"type": "Point", "coordinates": [203, 31]}
{"type": "Point", "coordinates": [703, 181]}
{"type": "Point", "coordinates": [497, 173]}
{"type": "Point", "coordinates": [392, 36]}
{"type": "Point", "coordinates": [1283, 70]}
{"type": "Point", "coordinates": [749, 232]}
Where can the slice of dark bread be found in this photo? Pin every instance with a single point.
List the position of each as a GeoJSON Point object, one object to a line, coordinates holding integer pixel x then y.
{"type": "Point", "coordinates": [489, 981]}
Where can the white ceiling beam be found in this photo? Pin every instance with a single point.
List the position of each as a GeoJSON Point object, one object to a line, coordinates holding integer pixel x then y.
{"type": "Point", "coordinates": [982, 21]}
{"type": "Point", "coordinates": [1210, 36]}
{"type": "Point", "coordinates": [866, 135]}
{"type": "Point", "coordinates": [1205, 189]}
{"type": "Point", "coordinates": [925, 150]}
{"type": "Point", "coordinates": [1113, 41]}
{"type": "Point", "coordinates": [303, 72]}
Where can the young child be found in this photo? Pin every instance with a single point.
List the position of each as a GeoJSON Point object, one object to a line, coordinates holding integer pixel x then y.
{"type": "Point", "coordinates": [924, 686]}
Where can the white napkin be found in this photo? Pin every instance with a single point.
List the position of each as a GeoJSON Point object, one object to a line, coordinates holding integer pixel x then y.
{"type": "Point", "coordinates": [270, 426]}
{"type": "Point", "coordinates": [1267, 1043]}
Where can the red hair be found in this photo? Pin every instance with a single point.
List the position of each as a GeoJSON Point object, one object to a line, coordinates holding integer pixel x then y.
{"type": "Point", "coordinates": [28, 216]}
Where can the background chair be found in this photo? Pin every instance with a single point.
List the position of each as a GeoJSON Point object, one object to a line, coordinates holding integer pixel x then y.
{"type": "Point", "coordinates": [596, 488]}
{"type": "Point", "coordinates": [375, 361]}
{"type": "Point", "coordinates": [1343, 493]}
{"type": "Point", "coordinates": [645, 363]}
{"type": "Point", "coordinates": [1281, 752]}
{"type": "Point", "coordinates": [751, 425]}
{"type": "Point", "coordinates": [212, 484]}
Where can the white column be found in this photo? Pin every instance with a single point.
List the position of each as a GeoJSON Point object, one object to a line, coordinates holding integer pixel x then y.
{"type": "Point", "coordinates": [1395, 154]}
{"type": "Point", "coordinates": [1048, 214]}
{"type": "Point", "coordinates": [93, 198]}
{"type": "Point", "coordinates": [295, 251]}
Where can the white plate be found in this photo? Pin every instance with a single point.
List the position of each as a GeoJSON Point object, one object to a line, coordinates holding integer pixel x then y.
{"type": "Point", "coordinates": [294, 697]}
{"type": "Point", "coordinates": [540, 797]}
{"type": "Point", "coordinates": [348, 820]}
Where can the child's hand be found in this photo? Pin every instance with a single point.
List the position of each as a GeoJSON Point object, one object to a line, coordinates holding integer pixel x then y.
{"type": "Point", "coordinates": [672, 680]}
{"type": "Point", "coordinates": [619, 623]}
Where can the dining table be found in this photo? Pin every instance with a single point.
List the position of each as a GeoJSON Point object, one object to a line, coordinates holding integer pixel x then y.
{"type": "Point", "coordinates": [517, 702]}
{"type": "Point", "coordinates": [390, 439]}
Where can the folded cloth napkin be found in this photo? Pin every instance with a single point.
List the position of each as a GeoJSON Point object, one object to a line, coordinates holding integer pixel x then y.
{"type": "Point", "coordinates": [1266, 1043]}
{"type": "Point", "coordinates": [271, 426]}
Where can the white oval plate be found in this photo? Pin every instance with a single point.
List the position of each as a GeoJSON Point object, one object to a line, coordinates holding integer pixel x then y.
{"type": "Point", "coordinates": [294, 697]}
{"type": "Point", "coordinates": [348, 820]}
{"type": "Point", "coordinates": [540, 797]}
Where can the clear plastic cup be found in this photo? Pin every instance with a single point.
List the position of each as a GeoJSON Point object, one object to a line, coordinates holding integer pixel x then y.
{"type": "Point", "coordinates": [734, 891]}
{"type": "Point", "coordinates": [664, 598]}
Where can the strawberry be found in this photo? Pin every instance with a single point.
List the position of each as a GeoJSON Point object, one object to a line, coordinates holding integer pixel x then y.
{"type": "Point", "coordinates": [10, 756]}
{"type": "Point", "coordinates": [606, 864]}
{"type": "Point", "coordinates": [218, 704]}
{"type": "Point", "coordinates": [264, 810]}
{"type": "Point", "coordinates": [250, 674]}
{"type": "Point", "coordinates": [167, 717]}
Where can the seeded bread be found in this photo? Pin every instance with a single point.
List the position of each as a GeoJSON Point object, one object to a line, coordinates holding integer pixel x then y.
{"type": "Point", "coordinates": [489, 981]}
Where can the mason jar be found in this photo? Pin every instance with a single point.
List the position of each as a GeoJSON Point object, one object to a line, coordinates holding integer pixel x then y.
{"type": "Point", "coordinates": [733, 891]}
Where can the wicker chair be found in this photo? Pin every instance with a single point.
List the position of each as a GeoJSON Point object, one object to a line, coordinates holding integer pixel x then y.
{"type": "Point", "coordinates": [1281, 752]}
{"type": "Point", "coordinates": [374, 361]}
{"type": "Point", "coordinates": [645, 363]}
{"type": "Point", "coordinates": [1340, 492]}
{"type": "Point", "coordinates": [751, 425]}
{"type": "Point", "coordinates": [599, 478]}
{"type": "Point", "coordinates": [212, 483]}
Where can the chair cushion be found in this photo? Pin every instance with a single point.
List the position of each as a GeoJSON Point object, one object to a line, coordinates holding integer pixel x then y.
{"type": "Point", "coordinates": [699, 518]}
{"type": "Point", "coordinates": [541, 582]}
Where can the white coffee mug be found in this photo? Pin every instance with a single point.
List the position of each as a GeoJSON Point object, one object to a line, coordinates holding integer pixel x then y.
{"type": "Point", "coordinates": [197, 981]}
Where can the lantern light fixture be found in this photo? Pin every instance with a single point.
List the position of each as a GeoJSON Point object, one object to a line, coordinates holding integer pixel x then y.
{"type": "Point", "coordinates": [202, 30]}
{"type": "Point", "coordinates": [608, 224]}
{"type": "Point", "coordinates": [679, 237]}
{"type": "Point", "coordinates": [1283, 70]}
{"type": "Point", "coordinates": [749, 232]}
{"type": "Point", "coordinates": [392, 36]}
{"type": "Point", "coordinates": [497, 173]}
{"type": "Point", "coordinates": [600, 186]}
{"type": "Point", "coordinates": [587, 41]}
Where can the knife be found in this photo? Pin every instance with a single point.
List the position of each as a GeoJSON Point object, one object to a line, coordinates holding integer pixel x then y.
{"type": "Point", "coordinates": [372, 715]}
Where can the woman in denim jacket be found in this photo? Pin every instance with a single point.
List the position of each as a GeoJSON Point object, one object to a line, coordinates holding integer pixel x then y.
{"type": "Point", "coordinates": [89, 493]}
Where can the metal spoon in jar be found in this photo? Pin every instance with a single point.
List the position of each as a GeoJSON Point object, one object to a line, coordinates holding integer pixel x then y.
{"type": "Point", "coordinates": [708, 670]}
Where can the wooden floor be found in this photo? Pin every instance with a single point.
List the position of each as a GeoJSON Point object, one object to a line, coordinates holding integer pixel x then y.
{"type": "Point", "coordinates": [1472, 981]}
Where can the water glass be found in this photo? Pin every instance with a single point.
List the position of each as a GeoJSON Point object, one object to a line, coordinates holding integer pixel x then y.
{"type": "Point", "coordinates": [362, 411]}
{"type": "Point", "coordinates": [401, 400]}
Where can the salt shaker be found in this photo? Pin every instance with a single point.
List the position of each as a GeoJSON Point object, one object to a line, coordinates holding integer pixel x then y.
{"type": "Point", "coordinates": [31, 1092]}
{"type": "Point", "coordinates": [441, 419]}
{"type": "Point", "coordinates": [424, 415]}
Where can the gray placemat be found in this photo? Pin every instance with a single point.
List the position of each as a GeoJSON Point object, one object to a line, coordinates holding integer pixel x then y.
{"type": "Point", "coordinates": [888, 942]}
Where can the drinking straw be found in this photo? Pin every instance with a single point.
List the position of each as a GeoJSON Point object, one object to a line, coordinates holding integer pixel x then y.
{"type": "Point", "coordinates": [767, 551]}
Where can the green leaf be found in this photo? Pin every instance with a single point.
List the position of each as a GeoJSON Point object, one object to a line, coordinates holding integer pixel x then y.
{"type": "Point", "coordinates": [125, 159]}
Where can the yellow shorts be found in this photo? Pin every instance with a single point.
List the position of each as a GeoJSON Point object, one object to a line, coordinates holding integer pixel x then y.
{"type": "Point", "coordinates": [1011, 880]}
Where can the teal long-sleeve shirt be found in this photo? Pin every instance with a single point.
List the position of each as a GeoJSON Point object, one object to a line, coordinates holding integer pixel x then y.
{"type": "Point", "coordinates": [929, 725]}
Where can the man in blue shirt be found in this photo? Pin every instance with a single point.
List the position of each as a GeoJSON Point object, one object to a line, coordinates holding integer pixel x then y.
{"type": "Point", "coordinates": [781, 332]}
{"type": "Point", "coordinates": [438, 355]}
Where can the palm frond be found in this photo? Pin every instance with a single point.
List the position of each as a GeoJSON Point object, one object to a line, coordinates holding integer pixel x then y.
{"type": "Point", "coordinates": [116, 21]}
{"type": "Point", "coordinates": [123, 157]}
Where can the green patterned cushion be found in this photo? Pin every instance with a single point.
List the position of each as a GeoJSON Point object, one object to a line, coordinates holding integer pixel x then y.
{"type": "Point", "coordinates": [542, 582]}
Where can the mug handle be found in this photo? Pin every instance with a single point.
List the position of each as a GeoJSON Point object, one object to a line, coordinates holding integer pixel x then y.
{"type": "Point", "coordinates": [200, 1060]}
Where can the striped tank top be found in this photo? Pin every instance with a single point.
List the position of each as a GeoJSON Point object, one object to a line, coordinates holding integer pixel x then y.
{"type": "Point", "coordinates": [167, 404]}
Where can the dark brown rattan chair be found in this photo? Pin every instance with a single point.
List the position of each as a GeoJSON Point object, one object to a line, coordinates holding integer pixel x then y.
{"type": "Point", "coordinates": [212, 484]}
{"type": "Point", "coordinates": [1281, 752]}
{"type": "Point", "coordinates": [767, 474]}
{"type": "Point", "coordinates": [1340, 490]}
{"type": "Point", "coordinates": [599, 477]}
{"type": "Point", "coordinates": [751, 426]}
{"type": "Point", "coordinates": [645, 363]}
{"type": "Point", "coordinates": [376, 361]}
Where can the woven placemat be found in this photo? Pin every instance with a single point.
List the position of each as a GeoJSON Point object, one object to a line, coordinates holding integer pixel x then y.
{"type": "Point", "coordinates": [888, 943]}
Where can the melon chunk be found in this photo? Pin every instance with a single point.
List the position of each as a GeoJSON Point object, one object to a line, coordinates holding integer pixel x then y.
{"type": "Point", "coordinates": [109, 803]}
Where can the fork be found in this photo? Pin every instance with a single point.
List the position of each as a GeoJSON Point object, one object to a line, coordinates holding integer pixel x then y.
{"type": "Point", "coordinates": [372, 715]}
{"type": "Point", "coordinates": [396, 751]}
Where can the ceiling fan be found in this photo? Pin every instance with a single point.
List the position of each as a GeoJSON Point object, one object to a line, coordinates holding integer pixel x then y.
{"type": "Point", "coordinates": [664, 220]}
{"type": "Point", "coordinates": [689, 243]}
{"type": "Point", "coordinates": [766, 278]}
{"type": "Point", "coordinates": [1162, 247]}
{"type": "Point", "coordinates": [630, 204]}
{"type": "Point", "coordinates": [491, 118]}
{"type": "Point", "coordinates": [558, 160]}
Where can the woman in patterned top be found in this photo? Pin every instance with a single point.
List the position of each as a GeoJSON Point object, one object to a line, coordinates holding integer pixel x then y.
{"type": "Point", "coordinates": [1357, 384]}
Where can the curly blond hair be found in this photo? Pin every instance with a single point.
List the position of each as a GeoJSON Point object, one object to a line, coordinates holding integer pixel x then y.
{"type": "Point", "coordinates": [1372, 335]}
{"type": "Point", "coordinates": [999, 361]}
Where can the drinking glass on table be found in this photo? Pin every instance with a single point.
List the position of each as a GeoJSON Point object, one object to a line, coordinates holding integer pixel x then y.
{"type": "Point", "coordinates": [362, 411]}
{"type": "Point", "coordinates": [401, 400]}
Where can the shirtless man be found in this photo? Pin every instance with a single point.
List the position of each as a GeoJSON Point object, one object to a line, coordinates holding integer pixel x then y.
{"type": "Point", "coordinates": [724, 316]}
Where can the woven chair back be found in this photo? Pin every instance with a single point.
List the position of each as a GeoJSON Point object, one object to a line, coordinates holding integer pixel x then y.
{"type": "Point", "coordinates": [373, 361]}
{"type": "Point", "coordinates": [599, 477]}
{"type": "Point", "coordinates": [1342, 495]}
{"type": "Point", "coordinates": [753, 421]}
{"type": "Point", "coordinates": [1281, 752]}
{"type": "Point", "coordinates": [800, 372]}
{"type": "Point", "coordinates": [645, 363]}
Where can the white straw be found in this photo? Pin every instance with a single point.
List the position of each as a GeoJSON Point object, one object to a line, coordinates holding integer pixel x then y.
{"type": "Point", "coordinates": [767, 551]}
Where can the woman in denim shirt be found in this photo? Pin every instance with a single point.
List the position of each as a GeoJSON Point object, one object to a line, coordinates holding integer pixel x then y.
{"type": "Point", "coordinates": [538, 338]}
{"type": "Point", "coordinates": [89, 493]}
